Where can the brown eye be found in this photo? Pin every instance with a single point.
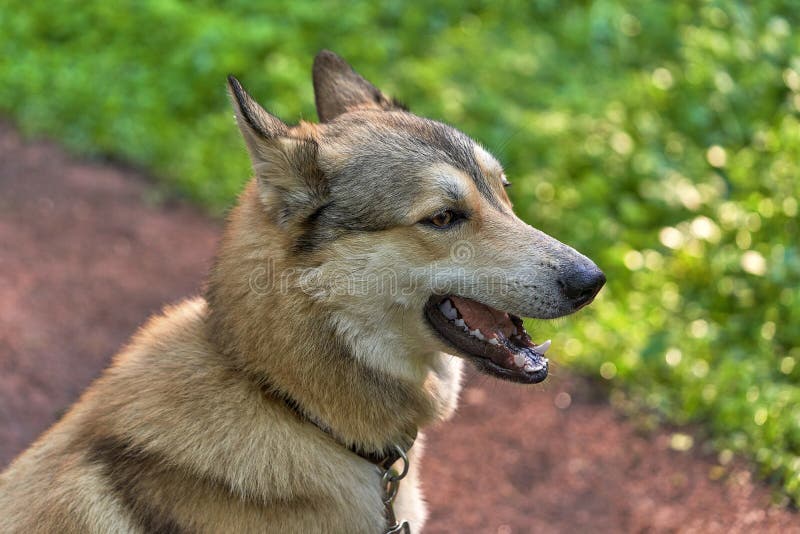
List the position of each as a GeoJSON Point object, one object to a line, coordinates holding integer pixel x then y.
{"type": "Point", "coordinates": [445, 219]}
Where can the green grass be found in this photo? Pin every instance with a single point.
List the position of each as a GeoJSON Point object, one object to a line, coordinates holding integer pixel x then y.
{"type": "Point", "coordinates": [662, 139]}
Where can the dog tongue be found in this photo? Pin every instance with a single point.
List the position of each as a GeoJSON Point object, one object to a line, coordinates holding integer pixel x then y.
{"type": "Point", "coordinates": [482, 317]}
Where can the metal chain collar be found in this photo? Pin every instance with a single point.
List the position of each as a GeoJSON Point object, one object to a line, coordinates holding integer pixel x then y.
{"type": "Point", "coordinates": [390, 478]}
{"type": "Point", "coordinates": [390, 483]}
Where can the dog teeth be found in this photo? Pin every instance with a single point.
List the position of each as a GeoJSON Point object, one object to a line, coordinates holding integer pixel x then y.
{"type": "Point", "coordinates": [460, 322]}
{"type": "Point", "coordinates": [477, 333]}
{"type": "Point", "coordinates": [541, 349]}
{"type": "Point", "coordinates": [519, 360]}
{"type": "Point", "coordinates": [494, 341]}
{"type": "Point", "coordinates": [448, 310]}
{"type": "Point", "coordinates": [529, 367]}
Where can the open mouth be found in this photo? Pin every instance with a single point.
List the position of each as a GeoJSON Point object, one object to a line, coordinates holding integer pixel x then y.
{"type": "Point", "coordinates": [494, 340]}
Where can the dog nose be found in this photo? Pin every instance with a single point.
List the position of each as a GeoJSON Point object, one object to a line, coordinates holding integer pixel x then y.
{"type": "Point", "coordinates": [582, 284]}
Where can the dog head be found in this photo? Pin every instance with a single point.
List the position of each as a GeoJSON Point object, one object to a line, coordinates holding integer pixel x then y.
{"type": "Point", "coordinates": [402, 232]}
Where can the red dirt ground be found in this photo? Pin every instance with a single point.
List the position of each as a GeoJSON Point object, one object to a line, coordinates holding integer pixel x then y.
{"type": "Point", "coordinates": [84, 259]}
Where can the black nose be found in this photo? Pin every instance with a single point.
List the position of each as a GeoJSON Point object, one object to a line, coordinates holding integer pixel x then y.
{"type": "Point", "coordinates": [582, 283]}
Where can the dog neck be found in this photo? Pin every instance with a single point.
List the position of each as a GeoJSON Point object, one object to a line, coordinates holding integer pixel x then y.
{"type": "Point", "coordinates": [277, 335]}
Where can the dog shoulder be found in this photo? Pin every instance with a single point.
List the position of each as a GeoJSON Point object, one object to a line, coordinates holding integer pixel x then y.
{"type": "Point", "coordinates": [172, 424]}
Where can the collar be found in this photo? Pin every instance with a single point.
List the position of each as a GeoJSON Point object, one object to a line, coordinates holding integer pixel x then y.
{"type": "Point", "coordinates": [384, 459]}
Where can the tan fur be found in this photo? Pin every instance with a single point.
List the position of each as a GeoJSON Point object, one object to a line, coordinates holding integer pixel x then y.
{"type": "Point", "coordinates": [237, 460]}
{"type": "Point", "coordinates": [191, 429]}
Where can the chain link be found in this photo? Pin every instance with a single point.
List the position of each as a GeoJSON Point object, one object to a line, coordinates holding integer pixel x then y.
{"type": "Point", "coordinates": [390, 483]}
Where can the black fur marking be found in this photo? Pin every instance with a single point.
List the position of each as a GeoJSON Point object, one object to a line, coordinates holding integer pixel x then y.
{"type": "Point", "coordinates": [244, 104]}
{"type": "Point", "coordinates": [452, 192]}
{"type": "Point", "coordinates": [311, 237]}
{"type": "Point", "coordinates": [126, 467]}
{"type": "Point", "coordinates": [460, 153]}
{"type": "Point", "coordinates": [317, 212]}
{"type": "Point", "coordinates": [259, 121]}
{"type": "Point", "coordinates": [398, 105]}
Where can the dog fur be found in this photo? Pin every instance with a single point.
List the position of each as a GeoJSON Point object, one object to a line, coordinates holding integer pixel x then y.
{"type": "Point", "coordinates": [189, 430]}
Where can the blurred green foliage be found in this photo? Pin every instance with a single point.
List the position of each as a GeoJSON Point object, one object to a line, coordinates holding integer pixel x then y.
{"type": "Point", "coordinates": [660, 138]}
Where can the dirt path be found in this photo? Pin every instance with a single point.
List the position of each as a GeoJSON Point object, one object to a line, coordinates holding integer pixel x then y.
{"type": "Point", "coordinates": [84, 259]}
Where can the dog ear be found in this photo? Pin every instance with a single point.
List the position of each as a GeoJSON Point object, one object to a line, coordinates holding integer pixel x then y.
{"type": "Point", "coordinates": [289, 180]}
{"type": "Point", "coordinates": [339, 89]}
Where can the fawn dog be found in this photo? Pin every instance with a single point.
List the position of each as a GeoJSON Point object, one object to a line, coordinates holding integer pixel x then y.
{"type": "Point", "coordinates": [368, 258]}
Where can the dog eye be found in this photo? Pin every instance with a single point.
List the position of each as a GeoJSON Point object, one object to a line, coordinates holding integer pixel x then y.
{"type": "Point", "coordinates": [445, 219]}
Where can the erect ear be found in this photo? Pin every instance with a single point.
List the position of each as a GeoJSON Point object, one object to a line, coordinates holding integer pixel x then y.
{"type": "Point", "coordinates": [339, 89]}
{"type": "Point", "coordinates": [290, 183]}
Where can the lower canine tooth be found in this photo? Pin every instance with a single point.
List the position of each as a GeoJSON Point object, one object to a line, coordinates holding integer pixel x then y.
{"type": "Point", "coordinates": [448, 310]}
{"type": "Point", "coordinates": [494, 341]}
{"type": "Point", "coordinates": [459, 322]}
{"type": "Point", "coordinates": [519, 360]}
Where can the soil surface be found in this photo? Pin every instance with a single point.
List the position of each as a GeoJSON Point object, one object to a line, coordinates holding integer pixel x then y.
{"type": "Point", "coordinates": [85, 258]}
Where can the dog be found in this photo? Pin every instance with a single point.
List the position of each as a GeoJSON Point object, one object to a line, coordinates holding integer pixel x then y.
{"type": "Point", "coordinates": [369, 257]}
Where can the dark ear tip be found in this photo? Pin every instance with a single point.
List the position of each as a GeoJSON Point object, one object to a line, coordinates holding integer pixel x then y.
{"type": "Point", "coordinates": [326, 54]}
{"type": "Point", "coordinates": [326, 59]}
{"type": "Point", "coordinates": [237, 91]}
{"type": "Point", "coordinates": [234, 84]}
